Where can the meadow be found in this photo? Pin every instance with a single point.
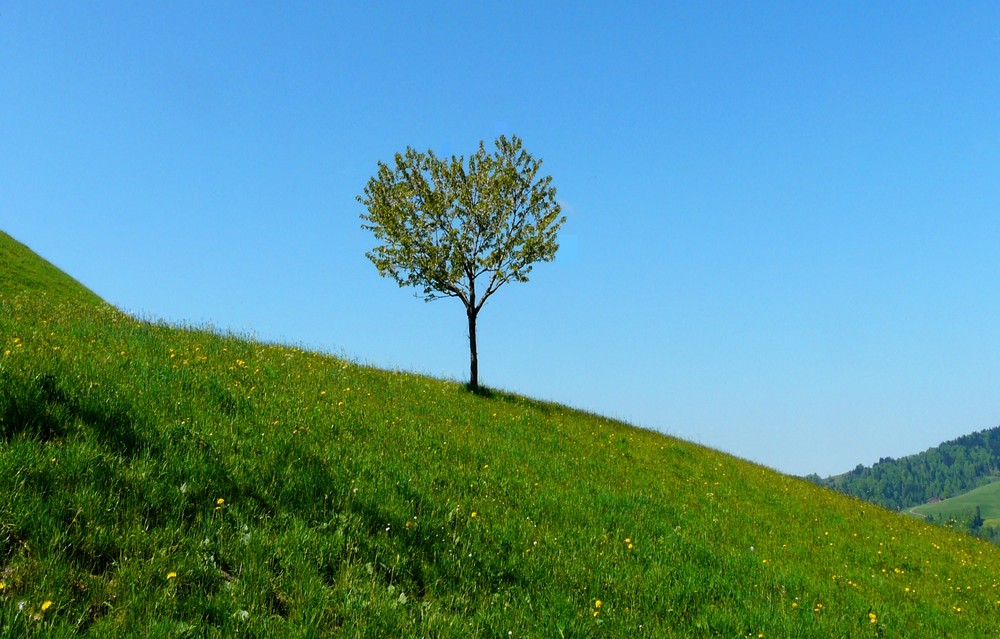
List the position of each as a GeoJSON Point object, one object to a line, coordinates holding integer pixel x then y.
{"type": "Point", "coordinates": [986, 498]}
{"type": "Point", "coordinates": [164, 481]}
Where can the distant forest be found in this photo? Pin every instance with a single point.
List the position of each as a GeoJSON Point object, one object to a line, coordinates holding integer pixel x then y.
{"type": "Point", "coordinates": [941, 472]}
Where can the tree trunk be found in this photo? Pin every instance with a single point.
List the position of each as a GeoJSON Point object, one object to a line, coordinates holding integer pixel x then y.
{"type": "Point", "coordinates": [473, 357]}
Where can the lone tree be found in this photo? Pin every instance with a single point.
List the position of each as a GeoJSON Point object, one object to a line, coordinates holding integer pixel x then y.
{"type": "Point", "coordinates": [457, 229]}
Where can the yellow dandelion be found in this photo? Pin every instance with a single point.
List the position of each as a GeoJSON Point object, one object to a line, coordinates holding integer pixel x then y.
{"type": "Point", "coordinates": [2, 585]}
{"type": "Point", "coordinates": [872, 617]}
{"type": "Point", "coordinates": [171, 575]}
{"type": "Point", "coordinates": [474, 514]}
{"type": "Point", "coordinates": [598, 603]}
{"type": "Point", "coordinates": [46, 605]}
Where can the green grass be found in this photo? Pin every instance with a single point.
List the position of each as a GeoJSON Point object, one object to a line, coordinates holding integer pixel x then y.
{"type": "Point", "coordinates": [21, 270]}
{"type": "Point", "coordinates": [160, 481]}
{"type": "Point", "coordinates": [986, 498]}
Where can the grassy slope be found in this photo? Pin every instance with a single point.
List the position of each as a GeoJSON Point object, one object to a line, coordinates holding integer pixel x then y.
{"type": "Point", "coordinates": [987, 498]}
{"type": "Point", "coordinates": [21, 270]}
{"type": "Point", "coordinates": [163, 482]}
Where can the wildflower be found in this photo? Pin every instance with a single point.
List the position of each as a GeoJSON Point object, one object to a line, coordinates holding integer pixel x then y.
{"type": "Point", "coordinates": [171, 575]}
{"type": "Point", "coordinates": [219, 503]}
{"type": "Point", "coordinates": [46, 605]}
{"type": "Point", "coordinates": [598, 603]}
{"type": "Point", "coordinates": [2, 585]}
{"type": "Point", "coordinates": [872, 618]}
{"type": "Point", "coordinates": [473, 514]}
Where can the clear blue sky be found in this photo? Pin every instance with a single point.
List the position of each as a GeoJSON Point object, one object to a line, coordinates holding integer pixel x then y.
{"type": "Point", "coordinates": [783, 217]}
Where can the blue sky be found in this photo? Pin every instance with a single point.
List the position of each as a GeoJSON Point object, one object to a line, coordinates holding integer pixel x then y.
{"type": "Point", "coordinates": [783, 217]}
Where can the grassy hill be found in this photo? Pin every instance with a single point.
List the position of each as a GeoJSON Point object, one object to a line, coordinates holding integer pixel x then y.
{"type": "Point", "coordinates": [947, 470]}
{"type": "Point", "coordinates": [167, 482]}
{"type": "Point", "coordinates": [22, 271]}
{"type": "Point", "coordinates": [985, 498]}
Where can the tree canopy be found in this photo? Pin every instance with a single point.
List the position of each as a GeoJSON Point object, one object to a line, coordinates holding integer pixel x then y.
{"type": "Point", "coordinates": [461, 229]}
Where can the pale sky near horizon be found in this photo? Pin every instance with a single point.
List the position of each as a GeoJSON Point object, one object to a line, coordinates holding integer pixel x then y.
{"type": "Point", "coordinates": [783, 217]}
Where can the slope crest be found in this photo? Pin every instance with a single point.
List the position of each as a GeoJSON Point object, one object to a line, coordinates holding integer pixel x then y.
{"type": "Point", "coordinates": [24, 271]}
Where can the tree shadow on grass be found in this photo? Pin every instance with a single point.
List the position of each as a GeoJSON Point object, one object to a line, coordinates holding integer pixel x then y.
{"type": "Point", "coordinates": [40, 407]}
{"type": "Point", "coordinates": [490, 393]}
{"type": "Point", "coordinates": [480, 391]}
{"type": "Point", "coordinates": [510, 398]}
{"type": "Point", "coordinates": [25, 408]}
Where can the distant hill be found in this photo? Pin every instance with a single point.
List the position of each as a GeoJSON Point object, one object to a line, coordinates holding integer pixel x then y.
{"type": "Point", "coordinates": [980, 507]}
{"type": "Point", "coordinates": [944, 471]}
{"type": "Point", "coordinates": [163, 482]}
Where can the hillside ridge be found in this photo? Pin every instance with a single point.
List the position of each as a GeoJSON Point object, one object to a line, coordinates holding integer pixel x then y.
{"type": "Point", "coordinates": [940, 472]}
{"type": "Point", "coordinates": [23, 270]}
